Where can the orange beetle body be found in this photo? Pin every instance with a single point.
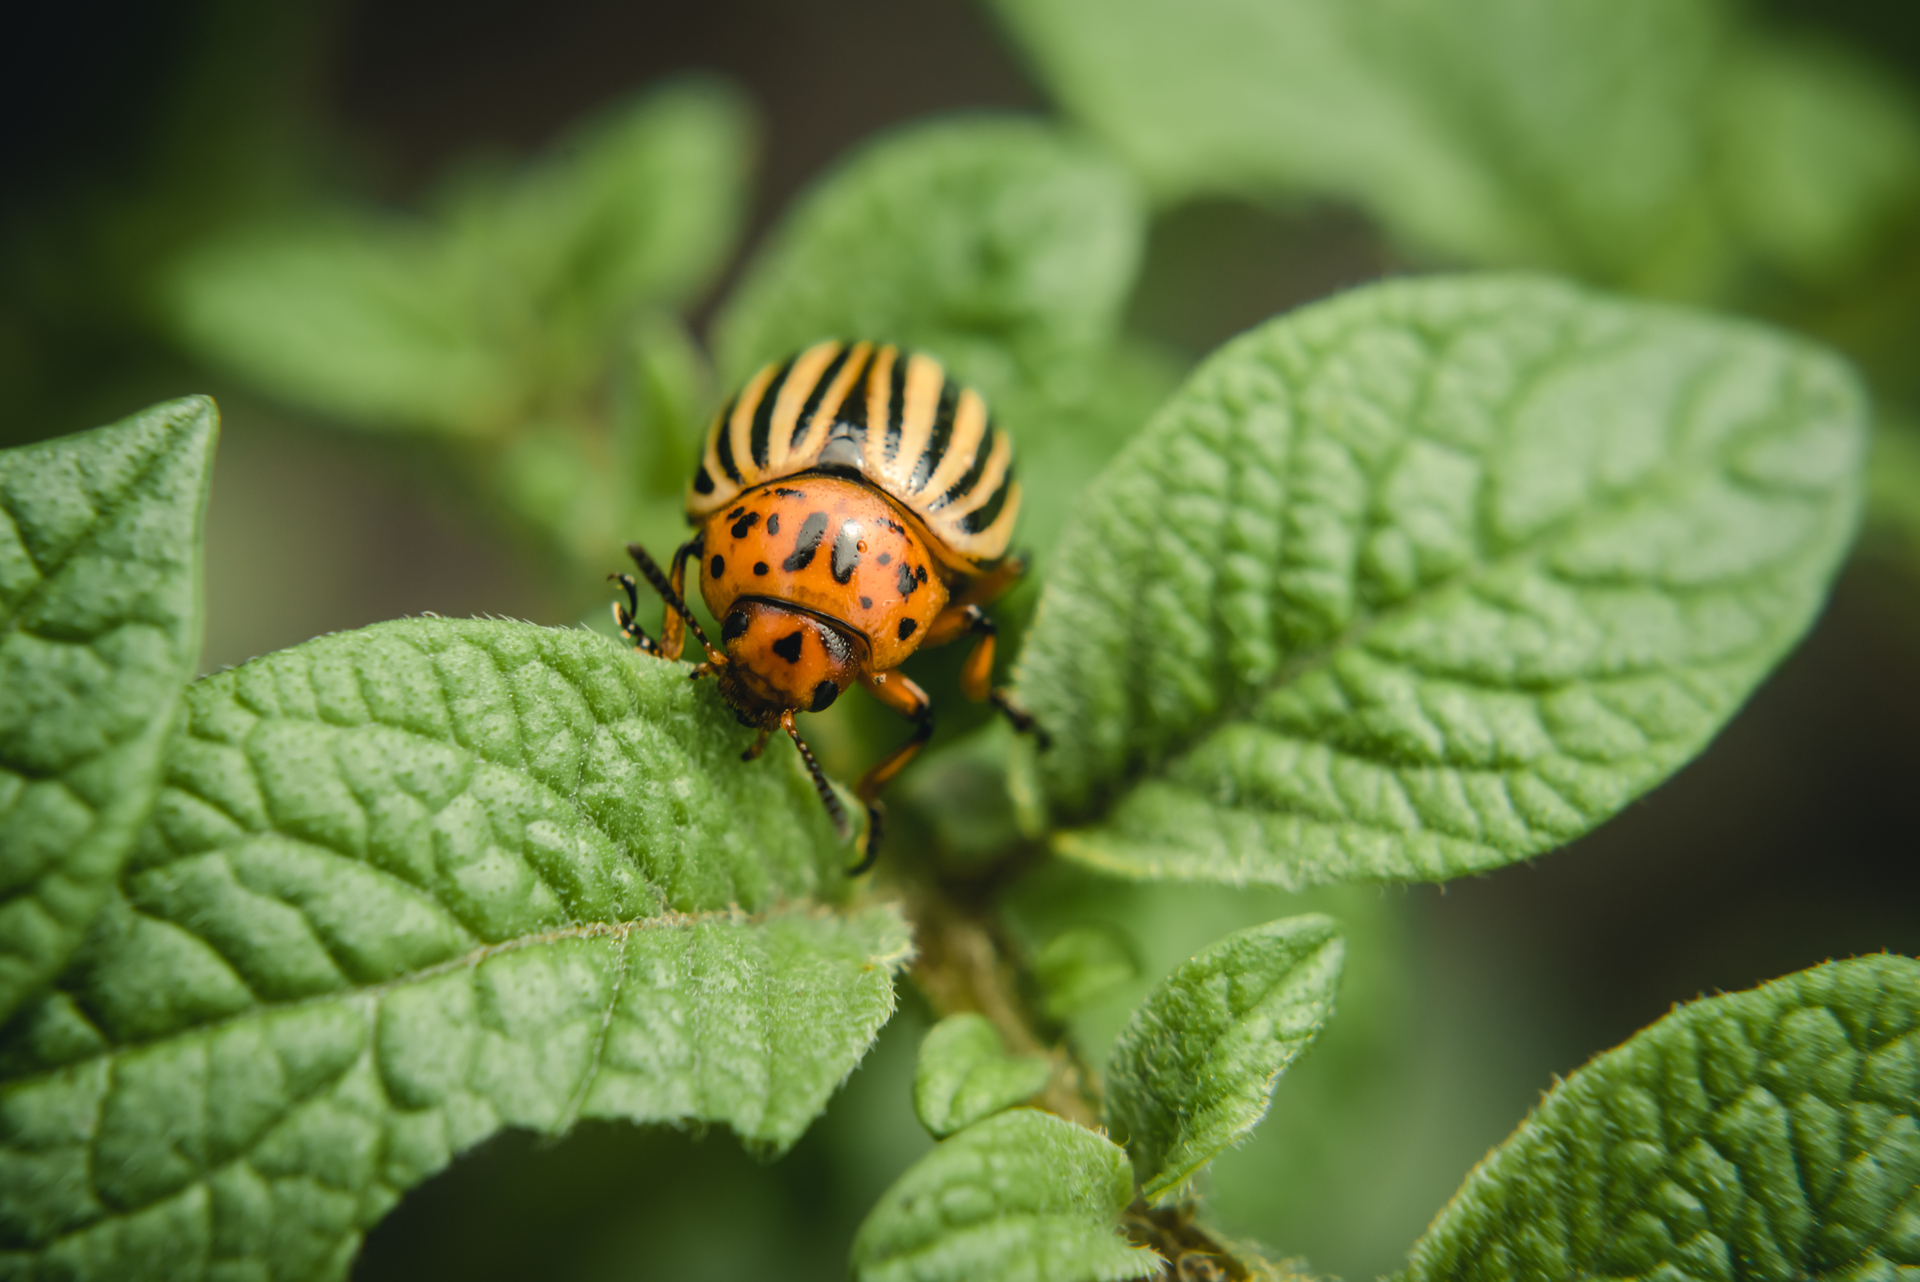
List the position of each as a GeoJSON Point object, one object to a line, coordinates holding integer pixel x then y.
{"type": "Point", "coordinates": [852, 504]}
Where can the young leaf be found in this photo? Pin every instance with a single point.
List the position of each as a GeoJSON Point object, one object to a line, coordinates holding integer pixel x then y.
{"type": "Point", "coordinates": [507, 302]}
{"type": "Point", "coordinates": [1773, 1133]}
{"type": "Point", "coordinates": [996, 245]}
{"type": "Point", "coordinates": [1432, 577]}
{"type": "Point", "coordinates": [965, 1074]}
{"type": "Point", "coordinates": [99, 632]}
{"type": "Point", "coordinates": [1023, 1195]}
{"type": "Point", "coordinates": [405, 887]}
{"type": "Point", "coordinates": [1194, 1069]}
{"type": "Point", "coordinates": [1081, 965]}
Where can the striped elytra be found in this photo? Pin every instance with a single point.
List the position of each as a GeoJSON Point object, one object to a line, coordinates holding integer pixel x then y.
{"type": "Point", "coordinates": [890, 417]}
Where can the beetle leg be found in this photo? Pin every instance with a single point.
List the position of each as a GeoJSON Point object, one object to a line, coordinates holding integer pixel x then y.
{"type": "Point", "coordinates": [623, 617]}
{"type": "Point", "coordinates": [759, 746]}
{"type": "Point", "coordinates": [909, 700]}
{"type": "Point", "coordinates": [993, 582]}
{"type": "Point", "coordinates": [977, 674]}
{"type": "Point", "coordinates": [679, 618]}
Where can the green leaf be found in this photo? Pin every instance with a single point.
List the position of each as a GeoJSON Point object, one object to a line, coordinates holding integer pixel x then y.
{"type": "Point", "coordinates": [994, 244]}
{"type": "Point", "coordinates": [965, 1074]}
{"type": "Point", "coordinates": [505, 304]}
{"type": "Point", "coordinates": [1023, 1196]}
{"type": "Point", "coordinates": [405, 887]}
{"type": "Point", "coordinates": [1630, 141]}
{"type": "Point", "coordinates": [100, 620]}
{"type": "Point", "coordinates": [1193, 1071]}
{"type": "Point", "coordinates": [1429, 578]}
{"type": "Point", "coordinates": [1773, 1133]}
{"type": "Point", "coordinates": [1080, 966]}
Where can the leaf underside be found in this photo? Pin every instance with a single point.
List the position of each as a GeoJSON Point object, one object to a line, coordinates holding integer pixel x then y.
{"type": "Point", "coordinates": [1194, 1069]}
{"type": "Point", "coordinates": [1431, 577]}
{"type": "Point", "coordinates": [405, 887]}
{"type": "Point", "coordinates": [1023, 1196]}
{"type": "Point", "coordinates": [99, 632]}
{"type": "Point", "coordinates": [1767, 1134]}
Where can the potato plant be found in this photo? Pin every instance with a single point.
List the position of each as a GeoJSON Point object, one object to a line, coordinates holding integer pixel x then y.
{"type": "Point", "coordinates": [1409, 584]}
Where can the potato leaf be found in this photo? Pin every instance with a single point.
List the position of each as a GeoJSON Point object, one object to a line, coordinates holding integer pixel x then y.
{"type": "Point", "coordinates": [1193, 1071]}
{"type": "Point", "coordinates": [965, 1074]}
{"type": "Point", "coordinates": [1773, 1133]}
{"type": "Point", "coordinates": [1023, 1195]}
{"type": "Point", "coordinates": [99, 632]}
{"type": "Point", "coordinates": [1432, 577]}
{"type": "Point", "coordinates": [996, 244]}
{"type": "Point", "coordinates": [504, 304]}
{"type": "Point", "coordinates": [405, 887]}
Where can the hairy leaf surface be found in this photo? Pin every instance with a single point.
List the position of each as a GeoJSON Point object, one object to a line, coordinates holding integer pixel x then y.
{"type": "Point", "coordinates": [1023, 1196]}
{"type": "Point", "coordinates": [1637, 142]}
{"type": "Point", "coordinates": [965, 1074]}
{"type": "Point", "coordinates": [1194, 1069]}
{"type": "Point", "coordinates": [1773, 1133]}
{"type": "Point", "coordinates": [404, 887]}
{"type": "Point", "coordinates": [1432, 577]}
{"type": "Point", "coordinates": [503, 304]}
{"type": "Point", "coordinates": [996, 245]}
{"type": "Point", "coordinates": [99, 632]}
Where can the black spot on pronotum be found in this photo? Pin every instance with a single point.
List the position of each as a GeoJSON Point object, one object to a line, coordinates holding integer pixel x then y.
{"type": "Point", "coordinates": [786, 493]}
{"type": "Point", "coordinates": [773, 520]}
{"type": "Point", "coordinates": [745, 523]}
{"type": "Point", "coordinates": [718, 565]}
{"type": "Point", "coordinates": [866, 603]}
{"type": "Point", "coordinates": [735, 514]}
{"type": "Point", "coordinates": [885, 558]}
{"type": "Point", "coordinates": [735, 627]}
{"type": "Point", "coordinates": [759, 567]}
{"type": "Point", "coordinates": [906, 627]}
{"type": "Point", "coordinates": [895, 526]}
{"type": "Point", "coordinates": [920, 573]}
{"type": "Point", "coordinates": [788, 646]}
{"type": "Point", "coordinates": [823, 696]}
{"type": "Point", "coordinates": [905, 581]}
{"type": "Point", "coordinates": [846, 551]}
{"type": "Point", "coordinates": [812, 530]}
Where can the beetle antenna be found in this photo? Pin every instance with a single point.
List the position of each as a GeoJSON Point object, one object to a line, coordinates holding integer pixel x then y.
{"type": "Point", "coordinates": [673, 599]}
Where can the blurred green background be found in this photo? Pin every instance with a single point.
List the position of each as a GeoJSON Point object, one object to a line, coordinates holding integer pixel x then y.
{"type": "Point", "coordinates": [136, 132]}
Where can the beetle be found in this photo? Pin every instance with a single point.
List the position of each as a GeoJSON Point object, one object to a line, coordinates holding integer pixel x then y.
{"type": "Point", "coordinates": [852, 504]}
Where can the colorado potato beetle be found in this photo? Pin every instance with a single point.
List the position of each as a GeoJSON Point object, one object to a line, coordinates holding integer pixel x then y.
{"type": "Point", "coordinates": [851, 505]}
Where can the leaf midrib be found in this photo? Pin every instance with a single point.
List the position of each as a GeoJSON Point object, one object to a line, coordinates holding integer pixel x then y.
{"type": "Point", "coordinates": [51, 571]}
{"type": "Point", "coordinates": [619, 930]}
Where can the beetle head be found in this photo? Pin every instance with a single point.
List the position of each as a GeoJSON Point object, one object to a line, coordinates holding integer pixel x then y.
{"type": "Point", "coordinates": [781, 657]}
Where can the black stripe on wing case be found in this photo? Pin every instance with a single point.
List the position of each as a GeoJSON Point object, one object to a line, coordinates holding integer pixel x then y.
{"type": "Point", "coordinates": [964, 486]}
{"type": "Point", "coordinates": [817, 394]}
{"type": "Point", "coordinates": [763, 417]}
{"type": "Point", "coordinates": [850, 421]}
{"type": "Point", "coordinates": [723, 440]}
{"type": "Point", "coordinates": [982, 517]}
{"type": "Point", "coordinates": [936, 450]}
{"type": "Point", "coordinates": [896, 405]}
